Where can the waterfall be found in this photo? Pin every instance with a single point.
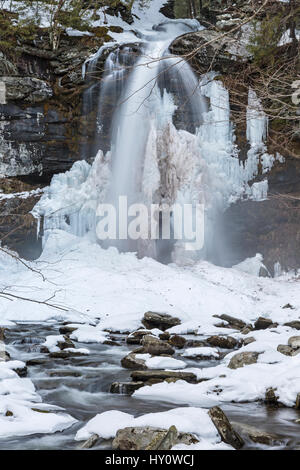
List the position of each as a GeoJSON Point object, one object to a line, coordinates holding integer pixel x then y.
{"type": "Point", "coordinates": [159, 136]}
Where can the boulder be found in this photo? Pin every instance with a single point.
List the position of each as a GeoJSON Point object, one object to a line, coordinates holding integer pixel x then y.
{"type": "Point", "coordinates": [136, 336]}
{"type": "Point", "coordinates": [293, 324]}
{"type": "Point", "coordinates": [294, 342]}
{"type": "Point", "coordinates": [150, 438]}
{"type": "Point", "coordinates": [285, 349]}
{"type": "Point", "coordinates": [224, 342]}
{"type": "Point", "coordinates": [248, 340]}
{"type": "Point", "coordinates": [65, 330]}
{"type": "Point", "coordinates": [225, 429]}
{"type": "Point", "coordinates": [177, 341]}
{"type": "Point", "coordinates": [125, 388]}
{"type": "Point", "coordinates": [233, 322]}
{"type": "Point", "coordinates": [162, 321]}
{"type": "Point", "coordinates": [155, 346]}
{"type": "Point", "coordinates": [263, 323]}
{"type": "Point", "coordinates": [242, 359]}
{"type": "Point", "coordinates": [161, 375]}
{"type": "Point", "coordinates": [132, 362]}
{"type": "Point", "coordinates": [257, 435]}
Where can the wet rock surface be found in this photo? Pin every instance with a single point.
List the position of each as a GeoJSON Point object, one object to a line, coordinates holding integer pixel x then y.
{"type": "Point", "coordinates": [155, 376]}
{"type": "Point", "coordinates": [225, 429]}
{"type": "Point", "coordinates": [162, 321]}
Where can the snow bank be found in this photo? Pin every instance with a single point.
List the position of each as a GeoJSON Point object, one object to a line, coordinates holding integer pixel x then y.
{"type": "Point", "coordinates": [21, 410]}
{"type": "Point", "coordinates": [186, 420]}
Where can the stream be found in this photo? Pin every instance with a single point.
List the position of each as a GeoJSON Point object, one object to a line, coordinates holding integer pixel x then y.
{"type": "Point", "coordinates": [81, 386]}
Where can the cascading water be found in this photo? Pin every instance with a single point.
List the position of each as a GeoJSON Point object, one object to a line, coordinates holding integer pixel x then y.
{"type": "Point", "coordinates": [160, 136]}
{"type": "Point", "coordinates": [139, 95]}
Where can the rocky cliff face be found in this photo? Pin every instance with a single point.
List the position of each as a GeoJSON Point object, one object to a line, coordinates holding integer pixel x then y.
{"type": "Point", "coordinates": [42, 126]}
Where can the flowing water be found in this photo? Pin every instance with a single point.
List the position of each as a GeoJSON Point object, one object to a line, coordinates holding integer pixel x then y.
{"type": "Point", "coordinates": [143, 88]}
{"type": "Point", "coordinates": [81, 386]}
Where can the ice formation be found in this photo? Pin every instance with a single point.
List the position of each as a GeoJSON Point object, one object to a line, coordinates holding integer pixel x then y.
{"type": "Point", "coordinates": [166, 144]}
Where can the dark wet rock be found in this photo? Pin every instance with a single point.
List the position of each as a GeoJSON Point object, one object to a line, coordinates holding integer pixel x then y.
{"type": "Point", "coordinates": [162, 321]}
{"type": "Point", "coordinates": [65, 354]}
{"type": "Point", "coordinates": [165, 336]}
{"type": "Point", "coordinates": [125, 388]}
{"type": "Point", "coordinates": [91, 442]}
{"type": "Point", "coordinates": [248, 340]}
{"type": "Point", "coordinates": [110, 342]}
{"type": "Point", "coordinates": [294, 342]}
{"type": "Point", "coordinates": [66, 330]}
{"type": "Point", "coordinates": [21, 371]}
{"type": "Point", "coordinates": [132, 362]}
{"type": "Point", "coordinates": [243, 359]}
{"type": "Point", "coordinates": [67, 343]}
{"type": "Point", "coordinates": [270, 396]}
{"type": "Point", "coordinates": [297, 404]}
{"type": "Point", "coordinates": [195, 343]}
{"type": "Point", "coordinates": [233, 322]}
{"type": "Point", "coordinates": [161, 375]}
{"type": "Point", "coordinates": [224, 342]}
{"type": "Point", "coordinates": [293, 324]}
{"type": "Point", "coordinates": [9, 413]}
{"type": "Point", "coordinates": [136, 336]}
{"type": "Point", "coordinates": [150, 438]}
{"type": "Point", "coordinates": [155, 346]}
{"type": "Point", "coordinates": [177, 341]}
{"type": "Point", "coordinates": [288, 306]}
{"type": "Point", "coordinates": [168, 9]}
{"type": "Point", "coordinates": [38, 361]}
{"type": "Point", "coordinates": [65, 373]}
{"type": "Point", "coordinates": [257, 435]}
{"type": "Point", "coordinates": [263, 323]}
{"type": "Point", "coordinates": [225, 429]}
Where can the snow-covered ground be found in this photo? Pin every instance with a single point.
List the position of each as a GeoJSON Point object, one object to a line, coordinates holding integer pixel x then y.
{"type": "Point", "coordinates": [106, 290]}
{"type": "Point", "coordinates": [21, 409]}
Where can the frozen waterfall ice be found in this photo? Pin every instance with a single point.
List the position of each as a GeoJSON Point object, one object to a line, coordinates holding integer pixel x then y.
{"type": "Point", "coordinates": [161, 135]}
